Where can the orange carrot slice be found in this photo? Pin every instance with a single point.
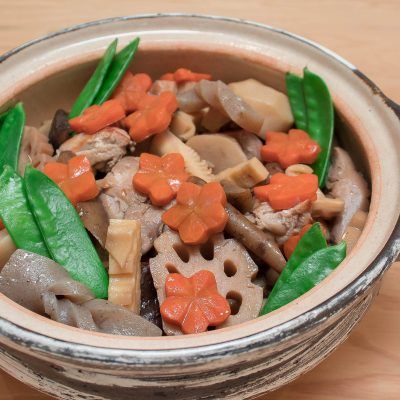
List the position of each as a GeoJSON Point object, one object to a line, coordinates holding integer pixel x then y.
{"type": "Point", "coordinates": [97, 117]}
{"type": "Point", "coordinates": [288, 149]}
{"type": "Point", "coordinates": [284, 192]}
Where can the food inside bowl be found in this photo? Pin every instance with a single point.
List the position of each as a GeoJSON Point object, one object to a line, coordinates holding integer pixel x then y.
{"type": "Point", "coordinates": [176, 205]}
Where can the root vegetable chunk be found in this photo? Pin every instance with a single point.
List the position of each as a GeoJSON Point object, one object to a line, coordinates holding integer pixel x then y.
{"type": "Point", "coordinates": [221, 151]}
{"type": "Point", "coordinates": [124, 246]}
{"type": "Point", "coordinates": [226, 259]}
{"type": "Point", "coordinates": [269, 103]}
{"type": "Point", "coordinates": [246, 174]}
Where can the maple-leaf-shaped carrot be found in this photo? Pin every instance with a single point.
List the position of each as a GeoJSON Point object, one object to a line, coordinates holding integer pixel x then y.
{"type": "Point", "coordinates": [76, 179]}
{"type": "Point", "coordinates": [131, 88]}
{"type": "Point", "coordinates": [96, 117]}
{"type": "Point", "coordinates": [160, 177]}
{"type": "Point", "coordinates": [152, 116]}
{"type": "Point", "coordinates": [284, 192]}
{"type": "Point", "coordinates": [199, 212]}
{"type": "Point", "coordinates": [194, 303]}
{"type": "Point", "coordinates": [296, 147]}
{"type": "Point", "coordinates": [185, 75]}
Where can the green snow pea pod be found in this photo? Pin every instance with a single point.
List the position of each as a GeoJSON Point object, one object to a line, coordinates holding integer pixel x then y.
{"type": "Point", "coordinates": [116, 71]}
{"type": "Point", "coordinates": [312, 241]}
{"type": "Point", "coordinates": [17, 215]}
{"type": "Point", "coordinates": [294, 86]}
{"type": "Point", "coordinates": [320, 114]}
{"type": "Point", "coordinates": [63, 232]}
{"type": "Point", "coordinates": [313, 111]}
{"type": "Point", "coordinates": [2, 118]}
{"type": "Point", "coordinates": [92, 87]}
{"type": "Point", "coordinates": [11, 132]}
{"type": "Point", "coordinates": [307, 275]}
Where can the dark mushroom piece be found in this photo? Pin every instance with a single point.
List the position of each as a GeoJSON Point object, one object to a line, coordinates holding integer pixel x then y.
{"type": "Point", "coordinates": [60, 129]}
{"type": "Point", "coordinates": [261, 243]}
{"type": "Point", "coordinates": [345, 183]}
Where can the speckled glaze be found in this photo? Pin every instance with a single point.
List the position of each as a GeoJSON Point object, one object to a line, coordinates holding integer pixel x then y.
{"type": "Point", "coordinates": [238, 362]}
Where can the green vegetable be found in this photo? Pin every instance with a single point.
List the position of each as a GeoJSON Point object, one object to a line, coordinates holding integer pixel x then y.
{"type": "Point", "coordinates": [91, 89]}
{"type": "Point", "coordinates": [2, 118]}
{"type": "Point", "coordinates": [63, 232]}
{"type": "Point", "coordinates": [307, 275]}
{"type": "Point", "coordinates": [116, 71]}
{"type": "Point", "coordinates": [294, 85]}
{"type": "Point", "coordinates": [312, 241]}
{"type": "Point", "coordinates": [312, 108]}
{"type": "Point", "coordinates": [16, 214]}
{"type": "Point", "coordinates": [11, 132]}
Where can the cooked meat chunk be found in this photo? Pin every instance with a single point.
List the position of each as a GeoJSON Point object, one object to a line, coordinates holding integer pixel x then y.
{"type": "Point", "coordinates": [283, 223]}
{"type": "Point", "coordinates": [121, 201]}
{"type": "Point", "coordinates": [103, 149]}
{"type": "Point", "coordinates": [35, 149]}
{"type": "Point", "coordinates": [345, 183]}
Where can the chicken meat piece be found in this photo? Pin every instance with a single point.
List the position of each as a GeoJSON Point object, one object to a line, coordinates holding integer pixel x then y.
{"type": "Point", "coordinates": [35, 149]}
{"type": "Point", "coordinates": [103, 149]}
{"type": "Point", "coordinates": [122, 201]}
{"type": "Point", "coordinates": [285, 223]}
{"type": "Point", "coordinates": [347, 184]}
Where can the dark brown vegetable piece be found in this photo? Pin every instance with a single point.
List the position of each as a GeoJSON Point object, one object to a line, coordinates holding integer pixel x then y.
{"type": "Point", "coordinates": [149, 308]}
{"type": "Point", "coordinates": [95, 219]}
{"type": "Point", "coordinates": [261, 243]}
{"type": "Point", "coordinates": [60, 129]}
{"type": "Point", "coordinates": [239, 197]}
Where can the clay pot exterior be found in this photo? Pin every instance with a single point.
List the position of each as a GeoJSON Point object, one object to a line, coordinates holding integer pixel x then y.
{"type": "Point", "coordinates": [246, 360]}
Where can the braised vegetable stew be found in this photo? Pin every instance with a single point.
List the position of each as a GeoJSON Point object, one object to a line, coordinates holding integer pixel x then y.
{"type": "Point", "coordinates": [175, 204]}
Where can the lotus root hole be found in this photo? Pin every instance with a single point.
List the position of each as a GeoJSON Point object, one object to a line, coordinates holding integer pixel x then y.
{"type": "Point", "coordinates": [182, 252]}
{"type": "Point", "coordinates": [230, 268]}
{"type": "Point", "coordinates": [235, 301]}
{"type": "Point", "coordinates": [207, 250]}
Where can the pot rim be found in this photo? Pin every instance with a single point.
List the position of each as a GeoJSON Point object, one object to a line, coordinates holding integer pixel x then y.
{"type": "Point", "coordinates": [195, 355]}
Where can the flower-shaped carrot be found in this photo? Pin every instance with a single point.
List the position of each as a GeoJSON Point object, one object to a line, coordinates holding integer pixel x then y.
{"type": "Point", "coordinates": [153, 115]}
{"type": "Point", "coordinates": [131, 89]}
{"type": "Point", "coordinates": [184, 75]}
{"type": "Point", "coordinates": [288, 149]}
{"type": "Point", "coordinates": [199, 212]}
{"type": "Point", "coordinates": [194, 303]}
{"type": "Point", "coordinates": [98, 117]}
{"type": "Point", "coordinates": [160, 177]}
{"type": "Point", "coordinates": [284, 192]}
{"type": "Point", "coordinates": [76, 179]}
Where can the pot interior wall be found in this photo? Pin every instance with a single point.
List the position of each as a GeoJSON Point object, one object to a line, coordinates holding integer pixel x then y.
{"type": "Point", "coordinates": [61, 89]}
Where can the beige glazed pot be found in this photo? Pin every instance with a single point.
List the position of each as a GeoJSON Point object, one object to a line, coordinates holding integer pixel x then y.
{"type": "Point", "coordinates": [246, 360]}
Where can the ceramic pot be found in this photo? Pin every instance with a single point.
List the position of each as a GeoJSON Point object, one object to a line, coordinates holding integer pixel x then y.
{"type": "Point", "coordinates": [252, 358]}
